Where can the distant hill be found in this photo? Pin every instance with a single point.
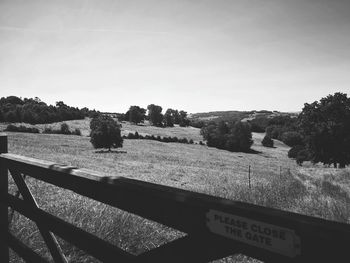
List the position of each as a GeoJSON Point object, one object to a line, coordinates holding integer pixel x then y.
{"type": "Point", "coordinates": [238, 115]}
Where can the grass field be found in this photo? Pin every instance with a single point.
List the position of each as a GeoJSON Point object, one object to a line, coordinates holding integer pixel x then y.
{"type": "Point", "coordinates": [276, 182]}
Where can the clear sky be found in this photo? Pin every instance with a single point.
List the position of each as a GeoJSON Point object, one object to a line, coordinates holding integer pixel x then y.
{"type": "Point", "coordinates": [195, 55]}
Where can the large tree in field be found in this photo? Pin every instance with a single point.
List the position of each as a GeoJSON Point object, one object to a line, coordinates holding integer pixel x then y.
{"type": "Point", "coordinates": [169, 118]}
{"type": "Point", "coordinates": [325, 125]}
{"type": "Point", "coordinates": [136, 114]}
{"type": "Point", "coordinates": [155, 115]}
{"type": "Point", "coordinates": [105, 133]}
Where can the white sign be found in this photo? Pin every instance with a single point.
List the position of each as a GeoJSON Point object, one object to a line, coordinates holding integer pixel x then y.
{"type": "Point", "coordinates": [274, 238]}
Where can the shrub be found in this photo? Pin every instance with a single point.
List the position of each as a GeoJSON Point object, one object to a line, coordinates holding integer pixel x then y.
{"type": "Point", "coordinates": [302, 156]}
{"type": "Point", "coordinates": [48, 130]}
{"type": "Point", "coordinates": [234, 137]}
{"type": "Point", "coordinates": [12, 128]}
{"type": "Point", "coordinates": [267, 141]}
{"type": "Point", "coordinates": [259, 124]}
{"type": "Point", "coordinates": [32, 130]}
{"type": "Point", "coordinates": [292, 138]}
{"type": "Point", "coordinates": [183, 140]}
{"type": "Point", "coordinates": [21, 128]}
{"type": "Point", "coordinates": [158, 138]}
{"type": "Point", "coordinates": [293, 152]}
{"type": "Point", "coordinates": [65, 128]}
{"type": "Point", "coordinates": [197, 124]}
{"type": "Point", "coordinates": [201, 143]}
{"type": "Point", "coordinates": [131, 136]}
{"type": "Point", "coordinates": [77, 132]}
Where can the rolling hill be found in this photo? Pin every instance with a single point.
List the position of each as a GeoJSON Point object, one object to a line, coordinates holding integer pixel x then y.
{"type": "Point", "coordinates": [276, 182]}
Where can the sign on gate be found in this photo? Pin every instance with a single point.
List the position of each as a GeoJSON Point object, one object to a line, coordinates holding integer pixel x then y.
{"type": "Point", "coordinates": [260, 234]}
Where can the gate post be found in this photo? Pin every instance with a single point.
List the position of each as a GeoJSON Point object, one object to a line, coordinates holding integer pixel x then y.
{"type": "Point", "coordinates": [4, 251]}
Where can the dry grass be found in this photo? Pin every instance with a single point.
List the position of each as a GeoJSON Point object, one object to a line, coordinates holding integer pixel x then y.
{"type": "Point", "coordinates": [83, 125]}
{"type": "Point", "coordinates": [180, 132]}
{"type": "Point", "coordinates": [144, 129]}
{"type": "Point", "coordinates": [276, 182]}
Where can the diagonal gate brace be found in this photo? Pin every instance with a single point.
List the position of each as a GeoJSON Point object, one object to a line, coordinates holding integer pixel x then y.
{"type": "Point", "coordinates": [49, 238]}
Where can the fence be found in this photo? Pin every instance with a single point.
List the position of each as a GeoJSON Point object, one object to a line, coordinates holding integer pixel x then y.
{"type": "Point", "coordinates": [215, 227]}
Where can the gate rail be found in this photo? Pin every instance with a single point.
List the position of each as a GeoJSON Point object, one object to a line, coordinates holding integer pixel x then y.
{"type": "Point", "coordinates": [215, 227]}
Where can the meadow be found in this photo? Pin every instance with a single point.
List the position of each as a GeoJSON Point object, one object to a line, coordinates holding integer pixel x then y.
{"type": "Point", "coordinates": [276, 181]}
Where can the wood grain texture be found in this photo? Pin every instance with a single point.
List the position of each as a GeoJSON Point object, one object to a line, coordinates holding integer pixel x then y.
{"type": "Point", "coordinates": [321, 240]}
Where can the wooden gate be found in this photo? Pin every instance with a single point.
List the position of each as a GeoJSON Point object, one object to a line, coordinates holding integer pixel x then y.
{"type": "Point", "coordinates": [215, 227]}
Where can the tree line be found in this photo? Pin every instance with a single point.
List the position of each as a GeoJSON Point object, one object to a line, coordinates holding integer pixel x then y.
{"type": "Point", "coordinates": [320, 133]}
{"type": "Point", "coordinates": [138, 115]}
{"type": "Point", "coordinates": [34, 111]}
{"type": "Point", "coordinates": [64, 129]}
{"type": "Point", "coordinates": [158, 138]}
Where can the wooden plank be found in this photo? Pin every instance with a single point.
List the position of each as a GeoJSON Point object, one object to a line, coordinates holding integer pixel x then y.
{"type": "Point", "coordinates": [24, 251]}
{"type": "Point", "coordinates": [49, 238]}
{"type": "Point", "coordinates": [204, 248]}
{"type": "Point", "coordinates": [93, 245]}
{"type": "Point", "coordinates": [3, 143]}
{"type": "Point", "coordinates": [188, 249]}
{"type": "Point", "coordinates": [187, 211]}
{"type": "Point", "coordinates": [4, 252]}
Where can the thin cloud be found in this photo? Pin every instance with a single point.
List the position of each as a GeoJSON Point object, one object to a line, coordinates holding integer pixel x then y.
{"type": "Point", "coordinates": [92, 30]}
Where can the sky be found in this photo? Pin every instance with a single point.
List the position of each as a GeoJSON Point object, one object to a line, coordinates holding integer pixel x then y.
{"type": "Point", "coordinates": [192, 55]}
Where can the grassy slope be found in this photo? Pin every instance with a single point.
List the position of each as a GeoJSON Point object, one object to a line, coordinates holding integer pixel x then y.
{"type": "Point", "coordinates": [276, 181]}
{"type": "Point", "coordinates": [180, 132]}
{"type": "Point", "coordinates": [144, 129]}
{"type": "Point", "coordinates": [167, 163]}
{"type": "Point", "coordinates": [238, 115]}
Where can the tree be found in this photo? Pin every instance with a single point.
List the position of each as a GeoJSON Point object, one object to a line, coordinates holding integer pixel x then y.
{"type": "Point", "coordinates": [293, 152]}
{"type": "Point", "coordinates": [105, 133]}
{"type": "Point", "coordinates": [292, 138]}
{"type": "Point", "coordinates": [65, 128]}
{"type": "Point", "coordinates": [155, 115]}
{"type": "Point", "coordinates": [169, 118]}
{"type": "Point", "coordinates": [325, 125]}
{"type": "Point", "coordinates": [302, 156]}
{"type": "Point", "coordinates": [234, 137]}
{"type": "Point", "coordinates": [267, 141]}
{"type": "Point", "coordinates": [279, 125]}
{"type": "Point", "coordinates": [183, 121]}
{"type": "Point", "coordinates": [35, 111]}
{"type": "Point", "coordinates": [176, 117]}
{"type": "Point", "coordinates": [242, 133]}
{"type": "Point", "coordinates": [136, 114]}
{"type": "Point", "coordinates": [11, 100]}
{"type": "Point", "coordinates": [259, 124]}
